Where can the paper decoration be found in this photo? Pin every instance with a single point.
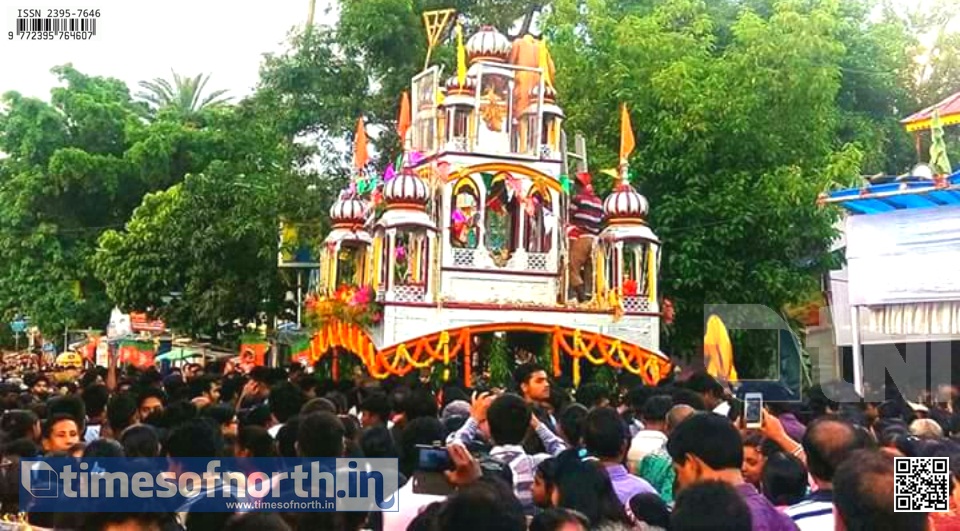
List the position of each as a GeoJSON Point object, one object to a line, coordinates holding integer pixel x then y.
{"type": "Point", "coordinates": [514, 186]}
{"type": "Point", "coordinates": [565, 183]}
{"type": "Point", "coordinates": [487, 180]}
{"type": "Point", "coordinates": [389, 173]}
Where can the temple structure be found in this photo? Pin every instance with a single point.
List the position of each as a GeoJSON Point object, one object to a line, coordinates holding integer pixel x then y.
{"type": "Point", "coordinates": [468, 235]}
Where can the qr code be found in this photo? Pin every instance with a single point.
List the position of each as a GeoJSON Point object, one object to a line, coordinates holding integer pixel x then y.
{"type": "Point", "coordinates": [921, 484]}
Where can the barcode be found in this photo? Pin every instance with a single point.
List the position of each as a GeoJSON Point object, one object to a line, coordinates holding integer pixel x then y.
{"type": "Point", "coordinates": [56, 25]}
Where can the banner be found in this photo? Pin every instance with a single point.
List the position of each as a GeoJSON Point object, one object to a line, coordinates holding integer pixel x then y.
{"type": "Point", "coordinates": [904, 256]}
{"type": "Point", "coordinates": [137, 353]}
{"type": "Point", "coordinates": [139, 322]}
{"type": "Point", "coordinates": [253, 353]}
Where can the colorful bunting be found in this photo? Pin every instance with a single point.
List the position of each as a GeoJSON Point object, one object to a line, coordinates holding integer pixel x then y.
{"type": "Point", "coordinates": [389, 173]}
{"type": "Point", "coordinates": [565, 183]}
{"type": "Point", "coordinates": [487, 180]}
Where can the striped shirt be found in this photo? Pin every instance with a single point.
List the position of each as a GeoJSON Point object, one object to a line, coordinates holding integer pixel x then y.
{"type": "Point", "coordinates": [522, 466]}
{"type": "Point", "coordinates": [815, 512]}
{"type": "Point", "coordinates": [587, 217]}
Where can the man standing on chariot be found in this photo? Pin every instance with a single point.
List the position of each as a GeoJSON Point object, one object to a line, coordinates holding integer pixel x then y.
{"type": "Point", "coordinates": [586, 221]}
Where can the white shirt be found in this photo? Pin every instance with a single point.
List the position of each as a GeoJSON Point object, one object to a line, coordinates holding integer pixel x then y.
{"type": "Point", "coordinates": [274, 430]}
{"type": "Point", "coordinates": [411, 505]}
{"type": "Point", "coordinates": [723, 408]}
{"type": "Point", "coordinates": [644, 443]}
{"type": "Point", "coordinates": [814, 513]}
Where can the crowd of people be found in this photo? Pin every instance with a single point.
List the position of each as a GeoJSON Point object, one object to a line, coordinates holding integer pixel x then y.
{"type": "Point", "coordinates": [537, 456]}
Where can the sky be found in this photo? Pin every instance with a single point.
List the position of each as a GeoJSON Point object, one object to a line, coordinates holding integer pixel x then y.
{"type": "Point", "coordinates": [138, 41]}
{"type": "Point", "coordinates": [141, 41]}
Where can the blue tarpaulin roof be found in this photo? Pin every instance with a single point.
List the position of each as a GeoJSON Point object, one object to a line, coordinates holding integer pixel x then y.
{"type": "Point", "coordinates": [900, 195]}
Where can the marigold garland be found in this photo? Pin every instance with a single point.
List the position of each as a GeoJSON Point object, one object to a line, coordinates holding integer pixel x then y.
{"type": "Point", "coordinates": [442, 348]}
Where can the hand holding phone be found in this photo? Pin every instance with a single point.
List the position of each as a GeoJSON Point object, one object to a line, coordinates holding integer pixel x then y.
{"type": "Point", "coordinates": [753, 410]}
{"type": "Point", "coordinates": [433, 458]}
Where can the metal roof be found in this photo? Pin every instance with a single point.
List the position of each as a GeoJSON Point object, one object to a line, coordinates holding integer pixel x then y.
{"type": "Point", "coordinates": [905, 193]}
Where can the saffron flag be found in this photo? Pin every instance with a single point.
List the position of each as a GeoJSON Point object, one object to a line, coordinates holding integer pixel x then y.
{"type": "Point", "coordinates": [627, 142]}
{"type": "Point", "coordinates": [360, 155]}
{"type": "Point", "coordinates": [461, 57]}
{"type": "Point", "coordinates": [403, 121]}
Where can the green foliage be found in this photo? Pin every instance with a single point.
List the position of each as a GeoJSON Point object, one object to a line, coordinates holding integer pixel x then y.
{"type": "Point", "coordinates": [498, 361]}
{"type": "Point", "coordinates": [212, 238]}
{"type": "Point", "coordinates": [736, 119]}
{"type": "Point", "coordinates": [184, 98]}
{"type": "Point", "coordinates": [75, 167]}
{"type": "Point", "coordinates": [606, 377]}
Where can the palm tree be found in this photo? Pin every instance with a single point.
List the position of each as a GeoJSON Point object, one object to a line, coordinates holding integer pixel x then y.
{"type": "Point", "coordinates": [184, 96]}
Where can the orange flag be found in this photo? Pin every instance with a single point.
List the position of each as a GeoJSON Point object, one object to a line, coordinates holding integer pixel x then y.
{"type": "Point", "coordinates": [403, 121]}
{"type": "Point", "coordinates": [627, 142]}
{"type": "Point", "coordinates": [360, 155]}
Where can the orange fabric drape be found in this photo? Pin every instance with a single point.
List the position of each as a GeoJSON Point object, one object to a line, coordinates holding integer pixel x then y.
{"type": "Point", "coordinates": [526, 52]}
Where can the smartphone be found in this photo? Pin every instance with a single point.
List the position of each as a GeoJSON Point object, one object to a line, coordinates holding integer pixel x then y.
{"type": "Point", "coordinates": [753, 410]}
{"type": "Point", "coordinates": [433, 458]}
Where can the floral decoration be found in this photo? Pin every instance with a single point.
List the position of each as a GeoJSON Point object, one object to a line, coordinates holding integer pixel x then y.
{"type": "Point", "coordinates": [349, 304]}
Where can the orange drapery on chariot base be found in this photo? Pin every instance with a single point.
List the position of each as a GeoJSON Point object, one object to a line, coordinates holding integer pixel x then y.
{"type": "Point", "coordinates": [446, 345]}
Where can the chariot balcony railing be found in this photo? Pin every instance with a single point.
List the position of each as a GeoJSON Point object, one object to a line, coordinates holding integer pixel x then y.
{"type": "Point", "coordinates": [519, 261]}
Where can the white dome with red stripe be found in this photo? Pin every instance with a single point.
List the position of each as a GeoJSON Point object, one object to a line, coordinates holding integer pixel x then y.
{"type": "Point", "coordinates": [406, 190]}
{"type": "Point", "coordinates": [348, 209]}
{"type": "Point", "coordinates": [625, 204]}
{"type": "Point", "coordinates": [488, 44]}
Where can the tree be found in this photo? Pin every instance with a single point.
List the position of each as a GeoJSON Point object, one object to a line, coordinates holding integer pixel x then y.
{"type": "Point", "coordinates": [77, 166]}
{"type": "Point", "coordinates": [184, 97]}
{"type": "Point", "coordinates": [734, 141]}
{"type": "Point", "coordinates": [212, 238]}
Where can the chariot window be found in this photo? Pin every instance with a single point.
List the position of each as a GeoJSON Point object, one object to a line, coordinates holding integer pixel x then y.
{"type": "Point", "coordinates": [464, 222]}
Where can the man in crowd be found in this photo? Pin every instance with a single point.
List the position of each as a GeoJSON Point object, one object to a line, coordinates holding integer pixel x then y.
{"type": "Point", "coordinates": [707, 446]}
{"type": "Point", "coordinates": [534, 386]}
{"type": "Point", "coordinates": [864, 495]}
{"type": "Point", "coordinates": [827, 442]}
{"type": "Point", "coordinates": [607, 438]}
{"type": "Point", "coordinates": [505, 420]}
